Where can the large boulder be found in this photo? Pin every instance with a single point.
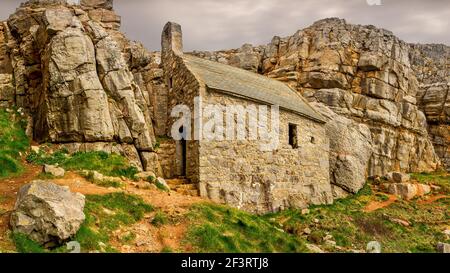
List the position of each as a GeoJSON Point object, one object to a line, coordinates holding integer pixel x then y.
{"type": "Point", "coordinates": [49, 214]}
{"type": "Point", "coordinates": [350, 150]}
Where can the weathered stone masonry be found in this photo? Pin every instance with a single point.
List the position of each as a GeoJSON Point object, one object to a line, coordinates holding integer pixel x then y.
{"type": "Point", "coordinates": [238, 172]}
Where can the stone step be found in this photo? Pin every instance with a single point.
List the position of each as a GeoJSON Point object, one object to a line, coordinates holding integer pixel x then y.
{"type": "Point", "coordinates": [176, 182]}
{"type": "Point", "coordinates": [186, 187]}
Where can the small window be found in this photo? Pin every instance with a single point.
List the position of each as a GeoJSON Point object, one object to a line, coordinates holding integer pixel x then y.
{"type": "Point", "coordinates": [170, 83]}
{"type": "Point", "coordinates": [293, 139]}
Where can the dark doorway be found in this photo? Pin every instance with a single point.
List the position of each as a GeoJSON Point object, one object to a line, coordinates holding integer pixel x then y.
{"type": "Point", "coordinates": [183, 159]}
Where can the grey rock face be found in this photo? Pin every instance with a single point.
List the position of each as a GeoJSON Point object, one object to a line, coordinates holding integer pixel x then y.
{"type": "Point", "coordinates": [47, 213]}
{"type": "Point", "coordinates": [367, 75]}
{"type": "Point", "coordinates": [430, 64]}
{"type": "Point", "coordinates": [350, 151]}
{"type": "Point", "coordinates": [78, 78]}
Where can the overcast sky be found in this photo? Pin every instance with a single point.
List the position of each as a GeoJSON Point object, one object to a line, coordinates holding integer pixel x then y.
{"type": "Point", "coordinates": [225, 24]}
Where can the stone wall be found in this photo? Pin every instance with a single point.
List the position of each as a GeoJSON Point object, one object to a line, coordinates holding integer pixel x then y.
{"type": "Point", "coordinates": [183, 88]}
{"type": "Point", "coordinates": [167, 154]}
{"type": "Point", "coordinates": [240, 174]}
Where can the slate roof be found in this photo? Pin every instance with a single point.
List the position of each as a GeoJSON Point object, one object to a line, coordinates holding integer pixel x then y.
{"type": "Point", "coordinates": [249, 85]}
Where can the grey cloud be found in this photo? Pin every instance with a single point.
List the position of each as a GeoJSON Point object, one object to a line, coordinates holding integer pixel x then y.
{"type": "Point", "coordinates": [222, 24]}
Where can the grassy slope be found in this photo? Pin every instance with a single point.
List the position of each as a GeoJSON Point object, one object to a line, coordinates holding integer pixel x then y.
{"type": "Point", "coordinates": [217, 228]}
{"type": "Point", "coordinates": [221, 229]}
{"type": "Point", "coordinates": [13, 141]}
{"type": "Point", "coordinates": [107, 164]}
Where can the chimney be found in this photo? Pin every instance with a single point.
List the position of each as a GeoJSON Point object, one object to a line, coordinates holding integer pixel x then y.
{"type": "Point", "coordinates": [172, 39]}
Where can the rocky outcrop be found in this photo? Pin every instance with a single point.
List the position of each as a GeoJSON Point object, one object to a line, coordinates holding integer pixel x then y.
{"type": "Point", "coordinates": [431, 65]}
{"type": "Point", "coordinates": [6, 76]}
{"type": "Point", "coordinates": [350, 150]}
{"type": "Point", "coordinates": [363, 74]}
{"type": "Point", "coordinates": [82, 83]}
{"type": "Point", "coordinates": [49, 214]}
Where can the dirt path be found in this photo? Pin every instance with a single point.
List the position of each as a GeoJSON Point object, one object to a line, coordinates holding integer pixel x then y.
{"type": "Point", "coordinates": [168, 236]}
{"type": "Point", "coordinates": [149, 238]}
{"type": "Point", "coordinates": [373, 206]}
{"type": "Point", "coordinates": [432, 199]}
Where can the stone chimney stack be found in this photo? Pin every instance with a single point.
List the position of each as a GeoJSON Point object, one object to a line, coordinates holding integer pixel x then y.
{"type": "Point", "coordinates": [172, 40]}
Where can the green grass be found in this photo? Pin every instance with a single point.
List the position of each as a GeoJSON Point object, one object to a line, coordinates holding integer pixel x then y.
{"type": "Point", "coordinates": [167, 249]}
{"type": "Point", "coordinates": [160, 219]}
{"type": "Point", "coordinates": [106, 164]}
{"type": "Point", "coordinates": [441, 179]}
{"type": "Point", "coordinates": [46, 176]}
{"type": "Point", "coordinates": [128, 238]}
{"type": "Point", "coordinates": [151, 179]}
{"type": "Point", "coordinates": [214, 228]}
{"type": "Point", "coordinates": [13, 141]}
{"type": "Point", "coordinates": [161, 187]}
{"type": "Point", "coordinates": [25, 244]}
{"type": "Point", "coordinates": [106, 213]}
{"type": "Point", "coordinates": [353, 229]}
{"type": "Point", "coordinates": [220, 229]}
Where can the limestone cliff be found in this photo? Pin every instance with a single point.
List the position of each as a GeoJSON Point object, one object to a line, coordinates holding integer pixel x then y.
{"type": "Point", "coordinates": [82, 83]}
{"type": "Point", "coordinates": [364, 74]}
{"type": "Point", "coordinates": [431, 64]}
